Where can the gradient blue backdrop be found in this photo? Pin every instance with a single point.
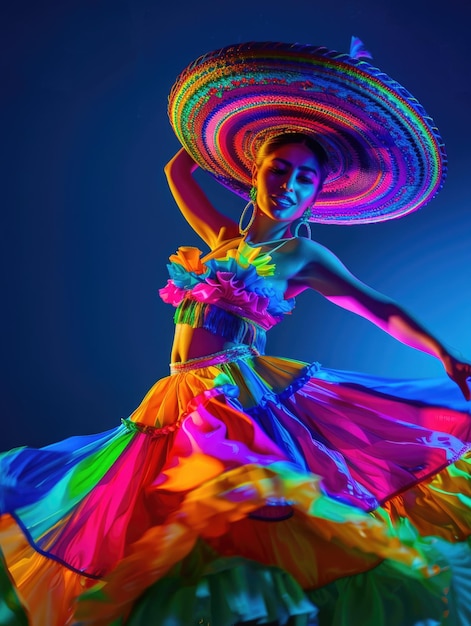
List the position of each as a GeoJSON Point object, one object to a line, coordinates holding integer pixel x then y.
{"type": "Point", "coordinates": [87, 221]}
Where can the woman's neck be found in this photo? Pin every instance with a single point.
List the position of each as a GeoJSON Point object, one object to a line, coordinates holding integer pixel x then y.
{"type": "Point", "coordinates": [265, 230]}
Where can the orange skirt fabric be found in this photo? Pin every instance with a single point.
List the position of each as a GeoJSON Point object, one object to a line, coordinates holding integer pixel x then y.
{"type": "Point", "coordinates": [246, 488]}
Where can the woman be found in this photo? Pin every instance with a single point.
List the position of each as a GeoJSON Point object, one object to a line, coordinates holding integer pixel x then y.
{"type": "Point", "coordinates": [248, 488]}
{"type": "Point", "coordinates": [287, 179]}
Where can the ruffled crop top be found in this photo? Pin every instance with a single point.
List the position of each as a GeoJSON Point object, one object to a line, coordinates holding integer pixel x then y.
{"type": "Point", "coordinates": [228, 292]}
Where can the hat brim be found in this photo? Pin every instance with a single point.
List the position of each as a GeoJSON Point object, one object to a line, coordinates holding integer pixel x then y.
{"type": "Point", "coordinates": [386, 157]}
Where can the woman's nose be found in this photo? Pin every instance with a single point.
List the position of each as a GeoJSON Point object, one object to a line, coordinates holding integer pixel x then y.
{"type": "Point", "coordinates": [288, 185]}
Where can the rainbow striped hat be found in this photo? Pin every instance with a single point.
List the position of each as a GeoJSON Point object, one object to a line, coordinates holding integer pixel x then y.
{"type": "Point", "coordinates": [386, 157]}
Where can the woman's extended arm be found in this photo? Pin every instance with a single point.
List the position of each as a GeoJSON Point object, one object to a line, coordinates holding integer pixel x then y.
{"type": "Point", "coordinates": [327, 275]}
{"type": "Point", "coordinates": [205, 220]}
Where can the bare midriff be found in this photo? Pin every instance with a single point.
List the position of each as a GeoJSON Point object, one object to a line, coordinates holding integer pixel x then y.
{"type": "Point", "coordinates": [193, 343]}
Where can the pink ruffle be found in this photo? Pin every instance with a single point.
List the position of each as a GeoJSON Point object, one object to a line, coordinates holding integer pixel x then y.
{"type": "Point", "coordinates": [227, 288]}
{"type": "Point", "coordinates": [171, 294]}
{"type": "Point", "coordinates": [228, 293]}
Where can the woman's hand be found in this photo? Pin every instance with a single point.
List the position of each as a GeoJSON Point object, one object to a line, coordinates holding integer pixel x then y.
{"type": "Point", "coordinates": [459, 371]}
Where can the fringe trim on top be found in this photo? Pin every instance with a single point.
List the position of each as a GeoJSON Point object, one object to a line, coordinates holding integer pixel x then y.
{"type": "Point", "coordinates": [234, 328]}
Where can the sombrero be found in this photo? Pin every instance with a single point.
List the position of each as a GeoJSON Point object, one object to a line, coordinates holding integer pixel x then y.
{"type": "Point", "coordinates": [386, 157]}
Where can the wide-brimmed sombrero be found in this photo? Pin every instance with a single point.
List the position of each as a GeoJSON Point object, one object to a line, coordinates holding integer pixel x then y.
{"type": "Point", "coordinates": [386, 157]}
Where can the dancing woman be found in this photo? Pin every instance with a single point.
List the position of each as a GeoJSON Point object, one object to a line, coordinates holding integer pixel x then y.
{"type": "Point", "coordinates": [253, 489]}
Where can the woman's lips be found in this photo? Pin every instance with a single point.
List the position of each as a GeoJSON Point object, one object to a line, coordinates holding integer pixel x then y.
{"type": "Point", "coordinates": [284, 201]}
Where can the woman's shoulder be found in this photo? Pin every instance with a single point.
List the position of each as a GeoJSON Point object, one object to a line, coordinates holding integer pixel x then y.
{"type": "Point", "coordinates": [304, 249]}
{"type": "Point", "coordinates": [311, 250]}
{"type": "Point", "coordinates": [301, 257]}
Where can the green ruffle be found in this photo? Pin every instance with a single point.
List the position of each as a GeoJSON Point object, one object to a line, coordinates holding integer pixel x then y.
{"type": "Point", "coordinates": [11, 611]}
{"type": "Point", "coordinates": [232, 591]}
{"type": "Point", "coordinates": [223, 592]}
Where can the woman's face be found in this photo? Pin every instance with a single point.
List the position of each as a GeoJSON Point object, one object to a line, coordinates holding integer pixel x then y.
{"type": "Point", "coordinates": [287, 180]}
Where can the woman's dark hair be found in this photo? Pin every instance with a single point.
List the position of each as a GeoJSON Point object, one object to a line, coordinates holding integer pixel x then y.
{"type": "Point", "coordinates": [284, 139]}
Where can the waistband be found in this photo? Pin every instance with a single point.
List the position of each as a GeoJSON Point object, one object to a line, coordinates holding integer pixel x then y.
{"type": "Point", "coordinates": [217, 358]}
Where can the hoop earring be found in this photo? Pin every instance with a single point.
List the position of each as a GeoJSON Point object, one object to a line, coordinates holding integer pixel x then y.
{"type": "Point", "coordinates": [243, 230]}
{"type": "Point", "coordinates": [304, 223]}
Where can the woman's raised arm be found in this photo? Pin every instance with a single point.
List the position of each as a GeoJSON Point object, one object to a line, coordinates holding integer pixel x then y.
{"type": "Point", "coordinates": [211, 225]}
{"type": "Point", "coordinates": [325, 273]}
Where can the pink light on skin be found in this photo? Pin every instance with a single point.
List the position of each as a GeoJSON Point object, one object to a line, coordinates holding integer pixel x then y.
{"type": "Point", "coordinates": [389, 317]}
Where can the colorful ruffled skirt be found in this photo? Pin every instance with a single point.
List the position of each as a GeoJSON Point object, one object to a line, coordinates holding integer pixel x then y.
{"type": "Point", "coordinates": [248, 489]}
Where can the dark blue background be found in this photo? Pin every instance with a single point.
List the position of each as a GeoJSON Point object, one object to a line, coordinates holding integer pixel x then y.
{"type": "Point", "coordinates": [87, 221]}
